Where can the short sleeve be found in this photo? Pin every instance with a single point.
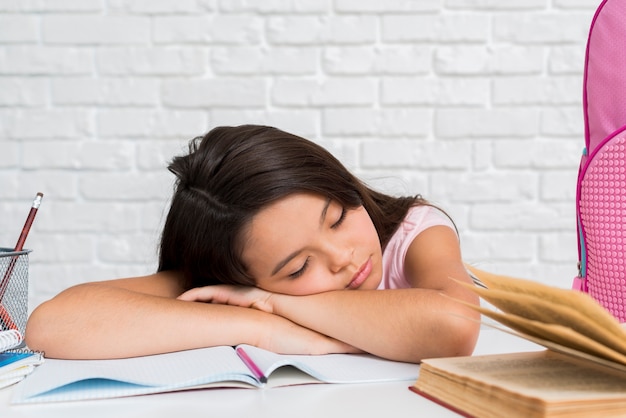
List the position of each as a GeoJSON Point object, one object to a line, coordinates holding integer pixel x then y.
{"type": "Point", "coordinates": [417, 220]}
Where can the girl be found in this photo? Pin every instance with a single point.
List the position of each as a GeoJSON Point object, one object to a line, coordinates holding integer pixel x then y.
{"type": "Point", "coordinates": [267, 241]}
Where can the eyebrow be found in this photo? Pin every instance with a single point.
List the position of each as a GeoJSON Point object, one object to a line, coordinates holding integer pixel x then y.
{"type": "Point", "coordinates": [291, 256]}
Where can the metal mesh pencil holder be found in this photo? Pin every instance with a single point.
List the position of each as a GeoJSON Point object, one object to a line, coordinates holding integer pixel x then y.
{"type": "Point", "coordinates": [13, 289]}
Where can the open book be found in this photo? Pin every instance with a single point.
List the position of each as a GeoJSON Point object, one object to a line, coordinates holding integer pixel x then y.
{"type": "Point", "coordinates": [583, 372]}
{"type": "Point", "coordinates": [70, 380]}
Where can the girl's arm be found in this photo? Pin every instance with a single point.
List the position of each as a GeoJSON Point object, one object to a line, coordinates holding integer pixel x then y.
{"type": "Point", "coordinates": [405, 324]}
{"type": "Point", "coordinates": [141, 316]}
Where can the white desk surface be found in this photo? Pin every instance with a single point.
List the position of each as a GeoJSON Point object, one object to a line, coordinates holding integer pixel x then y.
{"type": "Point", "coordinates": [358, 400]}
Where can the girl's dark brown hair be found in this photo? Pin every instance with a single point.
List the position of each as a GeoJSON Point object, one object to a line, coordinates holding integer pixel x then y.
{"type": "Point", "coordinates": [232, 173]}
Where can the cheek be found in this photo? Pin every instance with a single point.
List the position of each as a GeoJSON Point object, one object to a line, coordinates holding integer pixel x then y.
{"type": "Point", "coordinates": [367, 229]}
{"type": "Point", "coordinates": [309, 286]}
{"type": "Point", "coordinates": [314, 281]}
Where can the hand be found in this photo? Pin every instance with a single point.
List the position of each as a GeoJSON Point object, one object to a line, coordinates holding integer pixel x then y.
{"type": "Point", "coordinates": [274, 333]}
{"type": "Point", "coordinates": [286, 337]}
{"type": "Point", "coordinates": [244, 296]}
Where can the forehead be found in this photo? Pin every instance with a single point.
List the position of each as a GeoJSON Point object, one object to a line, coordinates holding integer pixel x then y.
{"type": "Point", "coordinates": [293, 210]}
{"type": "Point", "coordinates": [280, 227]}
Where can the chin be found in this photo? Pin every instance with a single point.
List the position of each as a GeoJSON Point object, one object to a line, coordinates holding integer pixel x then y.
{"type": "Point", "coordinates": [373, 283]}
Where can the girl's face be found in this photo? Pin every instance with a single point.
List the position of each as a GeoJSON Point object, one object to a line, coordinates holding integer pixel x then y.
{"type": "Point", "coordinates": [305, 243]}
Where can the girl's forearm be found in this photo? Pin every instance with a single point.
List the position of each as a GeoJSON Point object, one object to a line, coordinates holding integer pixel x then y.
{"type": "Point", "coordinates": [405, 325]}
{"type": "Point", "coordinates": [100, 321]}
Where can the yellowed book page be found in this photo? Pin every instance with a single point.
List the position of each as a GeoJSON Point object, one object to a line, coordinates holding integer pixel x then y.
{"type": "Point", "coordinates": [555, 333]}
{"type": "Point", "coordinates": [564, 349]}
{"type": "Point", "coordinates": [562, 382]}
{"type": "Point", "coordinates": [542, 374]}
{"type": "Point", "coordinates": [532, 308]}
{"type": "Point", "coordinates": [527, 305]}
{"type": "Point", "coordinates": [581, 302]}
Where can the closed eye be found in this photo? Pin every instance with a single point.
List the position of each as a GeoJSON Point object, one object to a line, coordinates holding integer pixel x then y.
{"type": "Point", "coordinates": [301, 271]}
{"type": "Point", "coordinates": [339, 221]}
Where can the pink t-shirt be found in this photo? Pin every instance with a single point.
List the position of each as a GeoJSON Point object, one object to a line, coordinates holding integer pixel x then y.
{"type": "Point", "coordinates": [418, 219]}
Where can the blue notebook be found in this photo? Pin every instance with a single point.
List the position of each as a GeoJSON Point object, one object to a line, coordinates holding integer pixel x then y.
{"type": "Point", "coordinates": [16, 365]}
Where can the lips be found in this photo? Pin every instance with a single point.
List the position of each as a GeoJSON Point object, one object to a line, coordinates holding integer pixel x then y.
{"type": "Point", "coordinates": [361, 275]}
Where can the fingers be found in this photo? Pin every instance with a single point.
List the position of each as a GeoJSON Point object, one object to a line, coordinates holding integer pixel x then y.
{"type": "Point", "coordinates": [186, 296]}
{"type": "Point", "coordinates": [262, 305]}
{"type": "Point", "coordinates": [198, 294]}
{"type": "Point", "coordinates": [189, 295]}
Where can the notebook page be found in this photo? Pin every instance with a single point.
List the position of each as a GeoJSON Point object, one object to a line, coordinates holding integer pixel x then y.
{"type": "Point", "coordinates": [336, 368]}
{"type": "Point", "coordinates": [67, 380]}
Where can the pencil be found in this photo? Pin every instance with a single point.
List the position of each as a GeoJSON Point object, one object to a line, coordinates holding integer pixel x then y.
{"type": "Point", "coordinates": [29, 221]}
{"type": "Point", "coordinates": [251, 365]}
{"type": "Point", "coordinates": [4, 315]}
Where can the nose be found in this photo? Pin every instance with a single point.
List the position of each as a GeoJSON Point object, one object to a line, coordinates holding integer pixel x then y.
{"type": "Point", "coordinates": [339, 257]}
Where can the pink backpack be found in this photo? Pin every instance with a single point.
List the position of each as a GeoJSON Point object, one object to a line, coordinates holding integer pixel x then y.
{"type": "Point", "coordinates": [601, 189]}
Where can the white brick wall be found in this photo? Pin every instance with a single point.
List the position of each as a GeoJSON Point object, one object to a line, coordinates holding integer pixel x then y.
{"type": "Point", "coordinates": [476, 104]}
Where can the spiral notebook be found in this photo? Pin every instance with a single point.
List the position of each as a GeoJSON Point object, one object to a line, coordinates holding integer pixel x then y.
{"type": "Point", "coordinates": [15, 363]}
{"type": "Point", "coordinates": [9, 339]}
{"type": "Point", "coordinates": [72, 380]}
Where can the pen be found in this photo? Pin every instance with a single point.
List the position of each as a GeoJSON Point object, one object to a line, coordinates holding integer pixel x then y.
{"type": "Point", "coordinates": [251, 365]}
{"type": "Point", "coordinates": [4, 315]}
